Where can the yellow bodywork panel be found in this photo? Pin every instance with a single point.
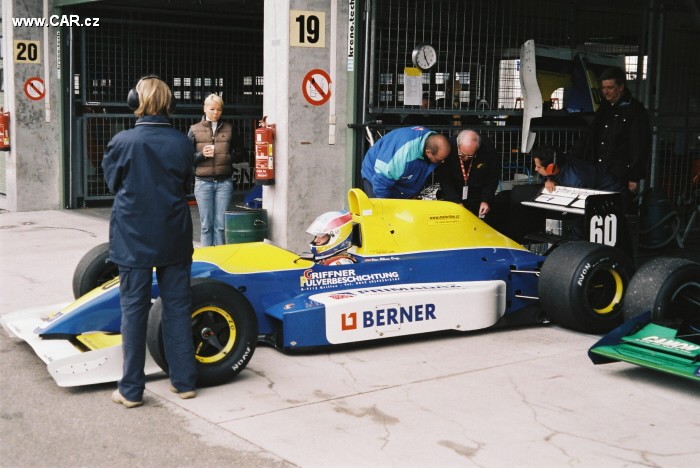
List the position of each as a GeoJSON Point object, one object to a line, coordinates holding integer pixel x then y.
{"type": "Point", "coordinates": [387, 226]}
{"type": "Point", "coordinates": [550, 82]}
{"type": "Point", "coordinates": [99, 340]}
{"type": "Point", "coordinates": [398, 226]}
{"type": "Point", "coordinates": [250, 257]}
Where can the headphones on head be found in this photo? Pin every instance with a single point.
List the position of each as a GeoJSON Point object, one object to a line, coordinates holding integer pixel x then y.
{"type": "Point", "coordinates": [552, 168]}
{"type": "Point", "coordinates": [132, 99]}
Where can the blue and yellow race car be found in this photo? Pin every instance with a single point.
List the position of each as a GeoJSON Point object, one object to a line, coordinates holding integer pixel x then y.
{"type": "Point", "coordinates": [382, 270]}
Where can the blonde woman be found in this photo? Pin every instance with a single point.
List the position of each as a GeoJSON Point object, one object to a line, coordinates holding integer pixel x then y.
{"type": "Point", "coordinates": [213, 157]}
{"type": "Point", "coordinates": [148, 168]}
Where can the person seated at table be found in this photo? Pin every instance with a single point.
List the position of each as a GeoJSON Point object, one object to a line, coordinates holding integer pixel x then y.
{"type": "Point", "coordinates": [560, 169]}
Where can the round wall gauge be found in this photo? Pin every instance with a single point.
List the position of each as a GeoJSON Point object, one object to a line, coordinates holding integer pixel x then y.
{"type": "Point", "coordinates": [424, 56]}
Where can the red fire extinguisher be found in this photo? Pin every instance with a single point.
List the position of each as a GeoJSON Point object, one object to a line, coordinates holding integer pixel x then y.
{"type": "Point", "coordinates": [264, 153]}
{"type": "Point", "coordinates": [4, 130]}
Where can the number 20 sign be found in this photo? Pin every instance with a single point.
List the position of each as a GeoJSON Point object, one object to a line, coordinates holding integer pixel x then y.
{"type": "Point", "coordinates": [307, 28]}
{"type": "Point", "coordinates": [27, 51]}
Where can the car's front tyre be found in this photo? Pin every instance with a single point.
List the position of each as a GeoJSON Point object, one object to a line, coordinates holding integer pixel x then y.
{"type": "Point", "coordinates": [93, 270]}
{"type": "Point", "coordinates": [224, 330]}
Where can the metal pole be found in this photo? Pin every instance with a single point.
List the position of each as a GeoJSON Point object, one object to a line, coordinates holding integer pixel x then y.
{"type": "Point", "coordinates": [657, 94]}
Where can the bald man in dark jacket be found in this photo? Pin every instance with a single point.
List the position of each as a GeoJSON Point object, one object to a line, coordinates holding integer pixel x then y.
{"type": "Point", "coordinates": [471, 173]}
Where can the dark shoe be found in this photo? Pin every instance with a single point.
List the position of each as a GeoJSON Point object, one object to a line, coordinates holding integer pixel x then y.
{"type": "Point", "coordinates": [118, 398]}
{"type": "Point", "coordinates": [184, 395]}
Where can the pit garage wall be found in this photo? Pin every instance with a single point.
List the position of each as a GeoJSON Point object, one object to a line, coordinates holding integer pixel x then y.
{"type": "Point", "coordinates": [33, 167]}
{"type": "Point", "coordinates": [311, 151]}
{"type": "Point", "coordinates": [311, 146]}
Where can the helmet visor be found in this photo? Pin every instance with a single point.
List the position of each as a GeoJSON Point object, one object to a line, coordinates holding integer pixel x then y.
{"type": "Point", "coordinates": [321, 239]}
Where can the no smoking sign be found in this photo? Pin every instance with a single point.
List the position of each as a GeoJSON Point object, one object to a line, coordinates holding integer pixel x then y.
{"type": "Point", "coordinates": [34, 88]}
{"type": "Point", "coordinates": [316, 87]}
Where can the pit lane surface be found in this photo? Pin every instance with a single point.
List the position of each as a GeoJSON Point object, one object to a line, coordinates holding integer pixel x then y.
{"type": "Point", "coordinates": [524, 397]}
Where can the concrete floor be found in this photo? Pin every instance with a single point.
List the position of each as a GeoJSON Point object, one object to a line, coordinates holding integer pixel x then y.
{"type": "Point", "coordinates": [526, 397]}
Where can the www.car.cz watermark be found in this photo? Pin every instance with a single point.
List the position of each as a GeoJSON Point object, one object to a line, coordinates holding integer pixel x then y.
{"type": "Point", "coordinates": [55, 20]}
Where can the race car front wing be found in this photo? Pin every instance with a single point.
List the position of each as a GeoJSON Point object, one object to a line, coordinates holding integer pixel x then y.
{"type": "Point", "coordinates": [656, 346]}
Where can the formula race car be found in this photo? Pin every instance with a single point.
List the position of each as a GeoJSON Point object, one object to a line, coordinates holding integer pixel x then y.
{"type": "Point", "coordinates": [662, 320]}
{"type": "Point", "coordinates": [385, 269]}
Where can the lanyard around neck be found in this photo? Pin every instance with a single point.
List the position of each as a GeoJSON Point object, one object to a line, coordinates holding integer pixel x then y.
{"type": "Point", "coordinates": [466, 172]}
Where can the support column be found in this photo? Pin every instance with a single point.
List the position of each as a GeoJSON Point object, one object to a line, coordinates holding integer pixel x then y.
{"type": "Point", "coordinates": [33, 165]}
{"type": "Point", "coordinates": [305, 46]}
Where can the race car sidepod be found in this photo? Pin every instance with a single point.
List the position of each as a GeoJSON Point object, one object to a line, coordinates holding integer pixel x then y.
{"type": "Point", "coordinates": [371, 313]}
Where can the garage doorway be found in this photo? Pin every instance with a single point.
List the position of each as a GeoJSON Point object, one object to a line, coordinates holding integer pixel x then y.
{"type": "Point", "coordinates": [215, 49]}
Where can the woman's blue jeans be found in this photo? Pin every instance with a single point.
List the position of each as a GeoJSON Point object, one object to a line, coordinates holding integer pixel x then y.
{"type": "Point", "coordinates": [213, 199]}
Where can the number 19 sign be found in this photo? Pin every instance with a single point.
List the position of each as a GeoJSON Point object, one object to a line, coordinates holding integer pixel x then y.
{"type": "Point", "coordinates": [307, 28]}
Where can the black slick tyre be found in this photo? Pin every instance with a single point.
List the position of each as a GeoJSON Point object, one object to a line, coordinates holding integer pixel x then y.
{"type": "Point", "coordinates": [93, 270]}
{"type": "Point", "coordinates": [668, 287]}
{"type": "Point", "coordinates": [582, 285]}
{"type": "Point", "coordinates": [224, 330]}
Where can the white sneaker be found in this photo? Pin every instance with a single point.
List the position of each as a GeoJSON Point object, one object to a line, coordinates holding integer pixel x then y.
{"type": "Point", "coordinates": [119, 399]}
{"type": "Point", "coordinates": [184, 395]}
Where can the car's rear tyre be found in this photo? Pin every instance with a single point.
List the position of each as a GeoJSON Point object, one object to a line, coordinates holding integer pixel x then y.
{"type": "Point", "coordinates": [668, 287]}
{"type": "Point", "coordinates": [582, 285]}
{"type": "Point", "coordinates": [93, 270]}
{"type": "Point", "coordinates": [224, 330]}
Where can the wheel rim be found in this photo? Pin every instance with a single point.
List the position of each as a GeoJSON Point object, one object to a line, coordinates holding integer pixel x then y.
{"type": "Point", "coordinates": [686, 301]}
{"type": "Point", "coordinates": [214, 333]}
{"type": "Point", "coordinates": [605, 291]}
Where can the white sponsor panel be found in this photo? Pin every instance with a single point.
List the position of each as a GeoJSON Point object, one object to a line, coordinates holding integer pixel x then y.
{"type": "Point", "coordinates": [397, 310]}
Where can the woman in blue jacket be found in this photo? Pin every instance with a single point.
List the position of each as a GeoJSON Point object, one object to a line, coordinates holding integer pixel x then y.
{"type": "Point", "coordinates": [148, 168]}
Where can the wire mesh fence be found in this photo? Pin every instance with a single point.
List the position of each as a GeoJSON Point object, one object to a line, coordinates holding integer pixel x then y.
{"type": "Point", "coordinates": [196, 54]}
{"type": "Point", "coordinates": [99, 130]}
{"type": "Point", "coordinates": [475, 79]}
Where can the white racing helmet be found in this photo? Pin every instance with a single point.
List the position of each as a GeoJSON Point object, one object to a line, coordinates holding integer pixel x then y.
{"type": "Point", "coordinates": [332, 233]}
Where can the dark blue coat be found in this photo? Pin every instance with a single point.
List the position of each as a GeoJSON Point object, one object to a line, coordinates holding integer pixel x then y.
{"type": "Point", "coordinates": [148, 168]}
{"type": "Point", "coordinates": [574, 172]}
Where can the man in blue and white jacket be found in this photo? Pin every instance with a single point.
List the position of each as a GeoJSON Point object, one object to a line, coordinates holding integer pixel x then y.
{"type": "Point", "coordinates": [399, 164]}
